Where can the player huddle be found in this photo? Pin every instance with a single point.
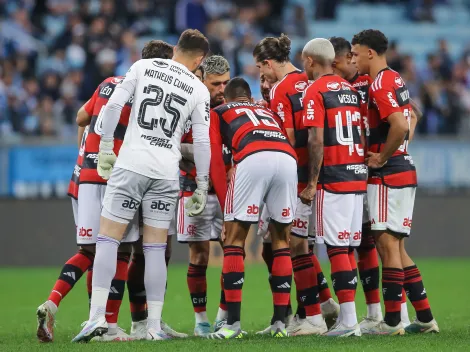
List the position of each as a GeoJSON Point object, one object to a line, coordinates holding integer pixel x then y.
{"type": "Point", "coordinates": [177, 147]}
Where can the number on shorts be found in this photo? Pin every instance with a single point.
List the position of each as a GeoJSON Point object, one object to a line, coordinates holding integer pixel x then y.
{"type": "Point", "coordinates": [167, 106]}
{"type": "Point", "coordinates": [259, 115]}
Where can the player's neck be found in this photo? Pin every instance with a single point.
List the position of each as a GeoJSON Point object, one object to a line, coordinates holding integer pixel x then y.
{"type": "Point", "coordinates": [350, 75]}
{"type": "Point", "coordinates": [187, 62]}
{"type": "Point", "coordinates": [285, 68]}
{"type": "Point", "coordinates": [378, 65]}
{"type": "Point", "coordinates": [243, 100]}
{"type": "Point", "coordinates": [322, 71]}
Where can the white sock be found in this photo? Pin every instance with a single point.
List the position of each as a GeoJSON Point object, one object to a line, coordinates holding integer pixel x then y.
{"type": "Point", "coordinates": [221, 314]}
{"type": "Point", "coordinates": [51, 305]}
{"type": "Point", "coordinates": [405, 319]}
{"type": "Point", "coordinates": [374, 311]}
{"type": "Point", "coordinates": [316, 319]}
{"type": "Point", "coordinates": [112, 328]}
{"type": "Point", "coordinates": [348, 314]}
{"type": "Point", "coordinates": [201, 317]}
{"type": "Point", "coordinates": [99, 297]}
{"type": "Point", "coordinates": [154, 315]}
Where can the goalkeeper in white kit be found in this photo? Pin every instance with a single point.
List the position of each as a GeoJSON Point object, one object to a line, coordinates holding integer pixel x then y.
{"type": "Point", "coordinates": [166, 94]}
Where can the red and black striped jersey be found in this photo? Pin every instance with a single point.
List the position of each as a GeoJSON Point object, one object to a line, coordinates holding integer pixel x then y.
{"type": "Point", "coordinates": [75, 180]}
{"type": "Point", "coordinates": [387, 95]}
{"type": "Point", "coordinates": [333, 104]}
{"type": "Point", "coordinates": [286, 99]}
{"type": "Point", "coordinates": [188, 179]}
{"type": "Point", "coordinates": [96, 104]}
{"type": "Point", "coordinates": [245, 129]}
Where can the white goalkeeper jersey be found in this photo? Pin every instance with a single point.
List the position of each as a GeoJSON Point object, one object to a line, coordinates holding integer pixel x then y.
{"type": "Point", "coordinates": [167, 97]}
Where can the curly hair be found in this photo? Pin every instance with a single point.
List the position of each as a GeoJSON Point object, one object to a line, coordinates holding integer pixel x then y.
{"type": "Point", "coordinates": [372, 38]}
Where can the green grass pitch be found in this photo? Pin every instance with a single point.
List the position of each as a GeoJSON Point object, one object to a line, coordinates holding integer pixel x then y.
{"type": "Point", "coordinates": [447, 283]}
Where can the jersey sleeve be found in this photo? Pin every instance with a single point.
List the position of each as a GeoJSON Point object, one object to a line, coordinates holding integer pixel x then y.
{"type": "Point", "coordinates": [314, 110]}
{"type": "Point", "coordinates": [281, 104]}
{"type": "Point", "coordinates": [385, 99]}
{"type": "Point", "coordinates": [200, 131]}
{"type": "Point", "coordinates": [90, 104]}
{"type": "Point", "coordinates": [217, 166]}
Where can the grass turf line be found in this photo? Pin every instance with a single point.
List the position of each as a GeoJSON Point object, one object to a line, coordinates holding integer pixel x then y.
{"type": "Point", "coordinates": [23, 289]}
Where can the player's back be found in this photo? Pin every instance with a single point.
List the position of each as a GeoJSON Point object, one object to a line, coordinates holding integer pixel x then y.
{"type": "Point", "coordinates": [249, 128]}
{"type": "Point", "coordinates": [335, 105]}
{"type": "Point", "coordinates": [166, 93]}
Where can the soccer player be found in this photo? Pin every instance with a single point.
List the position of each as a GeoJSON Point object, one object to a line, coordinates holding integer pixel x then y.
{"type": "Point", "coordinates": [86, 189]}
{"type": "Point", "coordinates": [272, 58]}
{"type": "Point", "coordinates": [368, 260]}
{"type": "Point", "coordinates": [265, 170]}
{"type": "Point", "coordinates": [391, 185]}
{"type": "Point", "coordinates": [166, 93]}
{"type": "Point", "coordinates": [197, 231]}
{"type": "Point", "coordinates": [337, 173]}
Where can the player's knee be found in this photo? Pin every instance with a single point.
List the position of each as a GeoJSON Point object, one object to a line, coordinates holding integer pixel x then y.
{"type": "Point", "coordinates": [88, 250]}
{"type": "Point", "coordinates": [388, 247]}
{"type": "Point", "coordinates": [199, 253]}
{"type": "Point", "coordinates": [298, 246]}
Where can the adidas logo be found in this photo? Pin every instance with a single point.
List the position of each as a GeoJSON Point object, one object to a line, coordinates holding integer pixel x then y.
{"type": "Point", "coordinates": [113, 290]}
{"type": "Point", "coordinates": [400, 295]}
{"type": "Point", "coordinates": [284, 285]}
{"type": "Point", "coordinates": [353, 281]}
{"type": "Point", "coordinates": [239, 282]}
{"type": "Point", "coordinates": [70, 274]}
{"type": "Point", "coordinates": [323, 282]}
{"type": "Point", "coordinates": [424, 292]}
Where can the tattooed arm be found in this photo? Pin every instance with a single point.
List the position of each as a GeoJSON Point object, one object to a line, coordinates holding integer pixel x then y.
{"type": "Point", "coordinates": [315, 153]}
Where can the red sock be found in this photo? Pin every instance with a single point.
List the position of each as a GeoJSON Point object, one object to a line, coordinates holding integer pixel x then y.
{"type": "Point", "coordinates": [344, 280]}
{"type": "Point", "coordinates": [417, 294]}
{"type": "Point", "coordinates": [69, 275]}
{"type": "Point", "coordinates": [306, 284]}
{"type": "Point", "coordinates": [352, 259]}
{"type": "Point", "coordinates": [281, 282]}
{"type": "Point", "coordinates": [197, 285]}
{"type": "Point", "coordinates": [234, 275]}
{"type": "Point", "coordinates": [392, 288]}
{"type": "Point", "coordinates": [116, 292]}
{"type": "Point", "coordinates": [323, 288]}
{"type": "Point", "coordinates": [136, 288]}
{"type": "Point", "coordinates": [223, 301]}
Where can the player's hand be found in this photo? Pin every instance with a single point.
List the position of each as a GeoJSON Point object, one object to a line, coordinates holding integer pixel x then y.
{"type": "Point", "coordinates": [307, 195]}
{"type": "Point", "coordinates": [106, 158]}
{"type": "Point", "coordinates": [197, 203]}
{"type": "Point", "coordinates": [374, 160]}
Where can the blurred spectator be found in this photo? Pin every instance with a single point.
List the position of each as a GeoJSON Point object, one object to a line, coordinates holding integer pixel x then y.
{"type": "Point", "coordinates": [191, 14]}
{"type": "Point", "coordinates": [296, 24]}
{"type": "Point", "coordinates": [394, 58]}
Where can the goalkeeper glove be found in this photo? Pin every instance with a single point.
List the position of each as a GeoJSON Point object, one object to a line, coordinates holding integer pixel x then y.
{"type": "Point", "coordinates": [106, 158]}
{"type": "Point", "coordinates": [196, 204]}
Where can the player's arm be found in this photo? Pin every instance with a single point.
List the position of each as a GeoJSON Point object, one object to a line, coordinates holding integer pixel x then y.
{"type": "Point", "coordinates": [202, 154]}
{"type": "Point", "coordinates": [81, 131]}
{"type": "Point", "coordinates": [391, 112]}
{"type": "Point", "coordinates": [281, 104]}
{"type": "Point", "coordinates": [217, 167]}
{"type": "Point", "coordinates": [111, 115]}
{"type": "Point", "coordinates": [85, 113]}
{"type": "Point", "coordinates": [416, 115]}
{"type": "Point", "coordinates": [314, 120]}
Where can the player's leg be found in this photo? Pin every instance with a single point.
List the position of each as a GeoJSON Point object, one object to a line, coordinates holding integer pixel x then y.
{"type": "Point", "coordinates": [309, 318]}
{"type": "Point", "coordinates": [368, 264]}
{"type": "Point", "coordinates": [281, 202]}
{"type": "Point", "coordinates": [158, 206]}
{"type": "Point", "coordinates": [337, 213]}
{"type": "Point", "coordinates": [382, 209]}
{"type": "Point", "coordinates": [136, 290]}
{"type": "Point", "coordinates": [121, 200]}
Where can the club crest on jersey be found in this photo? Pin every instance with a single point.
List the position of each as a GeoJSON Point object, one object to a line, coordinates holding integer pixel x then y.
{"type": "Point", "coordinates": [399, 82]}
{"type": "Point", "coordinates": [334, 86]}
{"type": "Point", "coordinates": [345, 86]}
{"type": "Point", "coordinates": [116, 80]}
{"type": "Point", "coordinates": [160, 64]}
{"type": "Point", "coordinates": [300, 86]}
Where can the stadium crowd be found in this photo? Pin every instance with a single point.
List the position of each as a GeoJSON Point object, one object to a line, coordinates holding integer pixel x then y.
{"type": "Point", "coordinates": [54, 53]}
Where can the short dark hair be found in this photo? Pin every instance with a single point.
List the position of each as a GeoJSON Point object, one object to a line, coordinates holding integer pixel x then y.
{"type": "Point", "coordinates": [372, 38]}
{"type": "Point", "coordinates": [193, 41]}
{"type": "Point", "coordinates": [270, 48]}
{"type": "Point", "coordinates": [237, 87]}
{"type": "Point", "coordinates": [157, 49]}
{"type": "Point", "coordinates": [341, 45]}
